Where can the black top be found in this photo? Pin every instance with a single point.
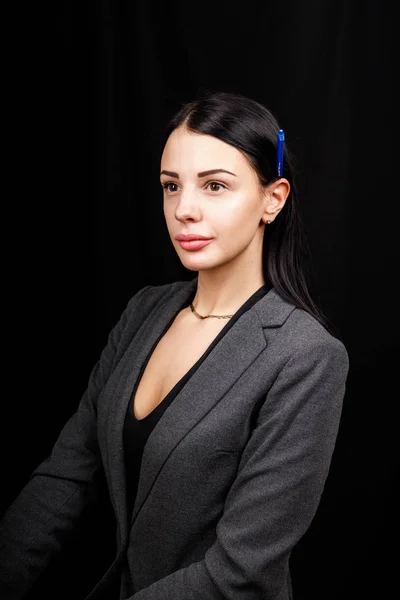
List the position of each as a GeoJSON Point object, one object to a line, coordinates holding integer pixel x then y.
{"type": "Point", "coordinates": [137, 431]}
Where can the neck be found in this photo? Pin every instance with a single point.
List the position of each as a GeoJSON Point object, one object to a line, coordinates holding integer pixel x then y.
{"type": "Point", "coordinates": [223, 295]}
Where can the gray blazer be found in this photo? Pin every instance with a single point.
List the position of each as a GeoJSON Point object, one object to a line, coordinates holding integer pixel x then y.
{"type": "Point", "coordinates": [231, 476]}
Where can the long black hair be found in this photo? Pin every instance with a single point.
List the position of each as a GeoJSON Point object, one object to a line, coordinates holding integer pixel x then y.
{"type": "Point", "coordinates": [251, 128]}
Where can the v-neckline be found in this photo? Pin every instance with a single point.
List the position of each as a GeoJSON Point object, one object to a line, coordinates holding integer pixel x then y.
{"type": "Point", "coordinates": [187, 375]}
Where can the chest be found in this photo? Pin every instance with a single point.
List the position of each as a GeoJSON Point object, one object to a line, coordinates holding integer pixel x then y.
{"type": "Point", "coordinates": [174, 355]}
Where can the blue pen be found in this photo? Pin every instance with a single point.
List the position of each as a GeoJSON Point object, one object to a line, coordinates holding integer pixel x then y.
{"type": "Point", "coordinates": [279, 152]}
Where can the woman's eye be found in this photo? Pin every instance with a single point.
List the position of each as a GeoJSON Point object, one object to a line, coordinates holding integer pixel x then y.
{"type": "Point", "coordinates": [167, 185]}
{"type": "Point", "coordinates": [214, 185]}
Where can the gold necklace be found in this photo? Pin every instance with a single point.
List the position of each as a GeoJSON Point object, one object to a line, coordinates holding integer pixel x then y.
{"type": "Point", "coordinates": [209, 316]}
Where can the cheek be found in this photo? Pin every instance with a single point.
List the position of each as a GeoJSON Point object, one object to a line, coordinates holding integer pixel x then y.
{"type": "Point", "coordinates": [233, 232]}
{"type": "Point", "coordinates": [239, 216]}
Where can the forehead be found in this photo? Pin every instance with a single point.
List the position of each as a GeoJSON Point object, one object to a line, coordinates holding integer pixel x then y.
{"type": "Point", "coordinates": [189, 151]}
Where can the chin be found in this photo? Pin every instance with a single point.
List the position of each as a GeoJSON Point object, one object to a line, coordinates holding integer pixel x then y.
{"type": "Point", "coordinates": [203, 265]}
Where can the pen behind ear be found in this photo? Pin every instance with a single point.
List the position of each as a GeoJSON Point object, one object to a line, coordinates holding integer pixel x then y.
{"type": "Point", "coordinates": [279, 152]}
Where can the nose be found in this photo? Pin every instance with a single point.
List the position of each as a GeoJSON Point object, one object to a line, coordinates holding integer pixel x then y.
{"type": "Point", "coordinates": [187, 207]}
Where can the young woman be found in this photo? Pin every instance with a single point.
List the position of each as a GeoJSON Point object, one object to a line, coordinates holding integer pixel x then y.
{"type": "Point", "coordinates": [214, 408]}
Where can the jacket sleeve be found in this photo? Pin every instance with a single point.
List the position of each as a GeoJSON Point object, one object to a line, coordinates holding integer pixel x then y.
{"type": "Point", "coordinates": [60, 490]}
{"type": "Point", "coordinates": [278, 486]}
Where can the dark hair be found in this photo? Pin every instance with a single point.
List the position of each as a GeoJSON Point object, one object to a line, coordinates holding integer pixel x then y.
{"type": "Point", "coordinates": [252, 128]}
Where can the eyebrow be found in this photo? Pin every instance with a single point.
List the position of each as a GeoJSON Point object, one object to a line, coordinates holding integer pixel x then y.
{"type": "Point", "coordinates": [202, 174]}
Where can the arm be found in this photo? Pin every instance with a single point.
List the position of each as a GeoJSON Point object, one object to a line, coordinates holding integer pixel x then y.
{"type": "Point", "coordinates": [62, 487]}
{"type": "Point", "coordinates": [277, 490]}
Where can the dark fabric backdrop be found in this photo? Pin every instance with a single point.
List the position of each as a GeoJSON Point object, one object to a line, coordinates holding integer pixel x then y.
{"type": "Point", "coordinates": [88, 90]}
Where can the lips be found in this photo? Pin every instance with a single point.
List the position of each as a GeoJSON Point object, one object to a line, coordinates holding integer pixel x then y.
{"type": "Point", "coordinates": [190, 237]}
{"type": "Point", "coordinates": [194, 244]}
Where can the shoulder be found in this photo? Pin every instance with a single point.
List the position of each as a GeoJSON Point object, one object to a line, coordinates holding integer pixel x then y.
{"type": "Point", "coordinates": [154, 293]}
{"type": "Point", "coordinates": [296, 334]}
{"type": "Point", "coordinates": [149, 297]}
{"type": "Point", "coordinates": [312, 338]}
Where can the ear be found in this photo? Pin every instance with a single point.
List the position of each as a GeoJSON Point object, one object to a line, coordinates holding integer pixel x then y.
{"type": "Point", "coordinates": [275, 196]}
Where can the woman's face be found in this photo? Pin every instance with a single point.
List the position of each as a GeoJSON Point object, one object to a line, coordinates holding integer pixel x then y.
{"type": "Point", "coordinates": [226, 205]}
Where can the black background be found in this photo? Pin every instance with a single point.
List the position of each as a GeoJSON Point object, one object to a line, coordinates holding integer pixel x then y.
{"type": "Point", "coordinates": [88, 88]}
